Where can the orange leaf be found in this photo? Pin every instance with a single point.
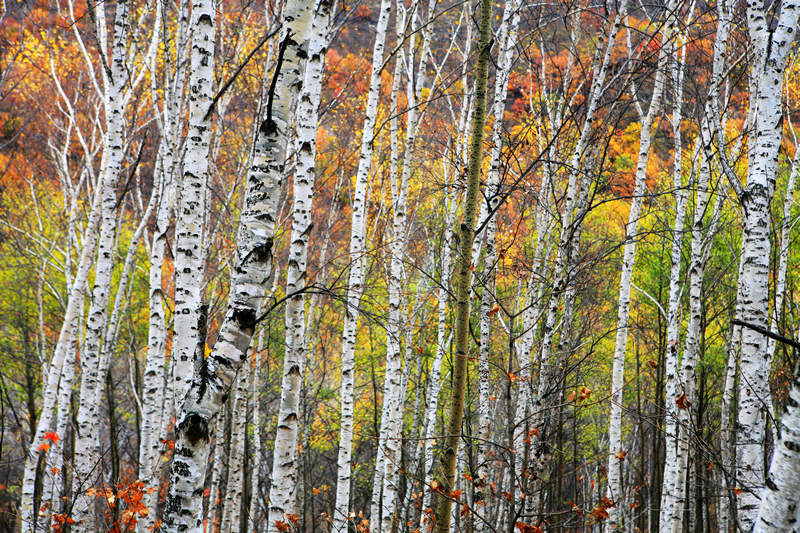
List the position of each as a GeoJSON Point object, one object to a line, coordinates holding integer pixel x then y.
{"type": "Point", "coordinates": [737, 490]}
{"type": "Point", "coordinates": [683, 402]}
{"type": "Point", "coordinates": [282, 526]}
{"type": "Point", "coordinates": [494, 309]}
{"type": "Point", "coordinates": [456, 494]}
{"type": "Point", "coordinates": [571, 396]}
{"type": "Point", "coordinates": [599, 513]}
{"type": "Point", "coordinates": [606, 502]}
{"type": "Point", "coordinates": [528, 528]}
{"type": "Point", "coordinates": [44, 446]}
{"type": "Point", "coordinates": [621, 455]}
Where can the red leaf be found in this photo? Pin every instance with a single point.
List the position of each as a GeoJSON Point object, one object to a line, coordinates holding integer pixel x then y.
{"type": "Point", "coordinates": [683, 402]}
{"type": "Point", "coordinates": [528, 528]}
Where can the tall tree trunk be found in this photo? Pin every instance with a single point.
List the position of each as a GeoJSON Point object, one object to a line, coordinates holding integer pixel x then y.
{"type": "Point", "coordinates": [615, 443]}
{"type": "Point", "coordinates": [376, 508]}
{"type": "Point", "coordinates": [234, 489]}
{"type": "Point", "coordinates": [508, 40]}
{"type": "Point", "coordinates": [282, 496]}
{"type": "Point", "coordinates": [358, 217]}
{"type": "Point", "coordinates": [255, 475]}
{"type": "Point", "coordinates": [87, 451]}
{"type": "Point", "coordinates": [781, 498]}
{"type": "Point", "coordinates": [463, 273]}
{"type": "Point", "coordinates": [671, 504]}
{"type": "Point", "coordinates": [771, 47]}
{"type": "Point", "coordinates": [252, 269]}
{"type": "Point", "coordinates": [189, 227]}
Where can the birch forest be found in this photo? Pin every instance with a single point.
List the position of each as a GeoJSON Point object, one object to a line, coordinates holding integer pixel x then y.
{"type": "Point", "coordinates": [400, 266]}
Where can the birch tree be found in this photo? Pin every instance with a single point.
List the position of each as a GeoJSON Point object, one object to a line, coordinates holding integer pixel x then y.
{"type": "Point", "coordinates": [282, 504]}
{"type": "Point", "coordinates": [770, 48]}
{"type": "Point", "coordinates": [614, 490]}
{"type": "Point", "coordinates": [192, 194]}
{"type": "Point", "coordinates": [252, 269]}
{"type": "Point", "coordinates": [357, 249]}
{"type": "Point", "coordinates": [781, 496]}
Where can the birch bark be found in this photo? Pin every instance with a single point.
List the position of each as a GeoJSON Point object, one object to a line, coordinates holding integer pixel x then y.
{"type": "Point", "coordinates": [252, 268]}
{"type": "Point", "coordinates": [781, 497]}
{"type": "Point", "coordinates": [284, 472]}
{"type": "Point", "coordinates": [393, 389]}
{"type": "Point", "coordinates": [341, 513]}
{"type": "Point", "coordinates": [671, 497]}
{"type": "Point", "coordinates": [234, 490]}
{"type": "Point", "coordinates": [442, 343]}
{"type": "Point", "coordinates": [508, 34]}
{"type": "Point", "coordinates": [783, 252]}
{"type": "Point", "coordinates": [191, 210]}
{"type": "Point", "coordinates": [255, 479]}
{"type": "Point", "coordinates": [770, 48]}
{"type": "Point", "coordinates": [614, 490]}
{"type": "Point", "coordinates": [87, 455]}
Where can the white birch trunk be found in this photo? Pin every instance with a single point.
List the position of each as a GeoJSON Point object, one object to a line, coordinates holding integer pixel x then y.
{"type": "Point", "coordinates": [255, 479]}
{"type": "Point", "coordinates": [381, 452]}
{"type": "Point", "coordinates": [508, 34]}
{"type": "Point", "coordinates": [783, 253]}
{"type": "Point", "coordinates": [252, 269]}
{"type": "Point", "coordinates": [191, 211]}
{"type": "Point", "coordinates": [234, 490]}
{"type": "Point", "coordinates": [614, 489]}
{"type": "Point", "coordinates": [341, 513]}
{"type": "Point", "coordinates": [780, 501]}
{"type": "Point", "coordinates": [671, 497]}
{"type": "Point", "coordinates": [282, 496]}
{"type": "Point", "coordinates": [442, 343]}
{"type": "Point", "coordinates": [54, 483]}
{"type": "Point", "coordinates": [87, 456]}
{"type": "Point", "coordinates": [67, 335]}
{"type": "Point", "coordinates": [393, 393]}
{"type": "Point", "coordinates": [769, 61]}
{"type": "Point", "coordinates": [154, 376]}
{"type": "Point", "coordinates": [216, 475]}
